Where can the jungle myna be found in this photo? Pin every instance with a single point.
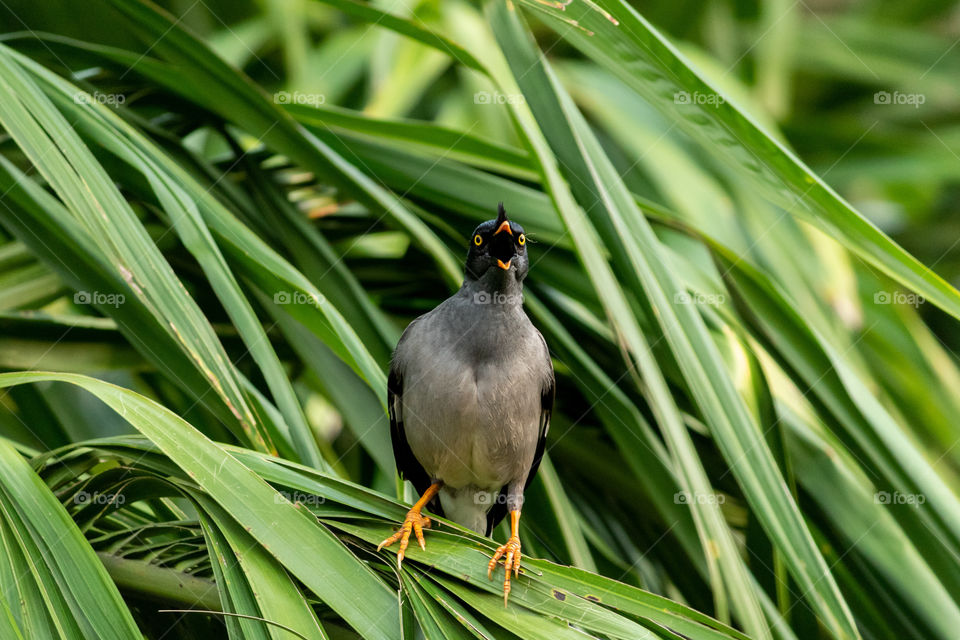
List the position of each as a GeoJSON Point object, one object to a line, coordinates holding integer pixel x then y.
{"type": "Point", "coordinates": [470, 392]}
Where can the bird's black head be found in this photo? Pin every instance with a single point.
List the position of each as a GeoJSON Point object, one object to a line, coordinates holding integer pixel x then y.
{"type": "Point", "coordinates": [498, 245]}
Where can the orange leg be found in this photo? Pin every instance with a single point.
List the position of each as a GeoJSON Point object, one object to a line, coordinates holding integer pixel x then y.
{"type": "Point", "coordinates": [512, 560]}
{"type": "Point", "coordinates": [412, 522]}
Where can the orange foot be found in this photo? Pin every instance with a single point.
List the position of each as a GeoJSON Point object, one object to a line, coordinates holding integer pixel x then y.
{"type": "Point", "coordinates": [414, 521]}
{"type": "Point", "coordinates": [510, 552]}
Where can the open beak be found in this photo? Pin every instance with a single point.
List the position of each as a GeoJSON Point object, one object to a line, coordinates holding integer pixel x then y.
{"type": "Point", "coordinates": [503, 246]}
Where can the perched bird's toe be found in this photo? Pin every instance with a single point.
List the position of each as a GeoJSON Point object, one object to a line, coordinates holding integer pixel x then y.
{"type": "Point", "coordinates": [510, 552]}
{"type": "Point", "coordinates": [413, 522]}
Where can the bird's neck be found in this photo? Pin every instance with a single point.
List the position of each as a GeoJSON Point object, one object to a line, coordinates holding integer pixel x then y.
{"type": "Point", "coordinates": [495, 287]}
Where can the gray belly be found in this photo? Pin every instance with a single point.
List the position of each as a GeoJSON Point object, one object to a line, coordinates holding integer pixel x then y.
{"type": "Point", "coordinates": [471, 425]}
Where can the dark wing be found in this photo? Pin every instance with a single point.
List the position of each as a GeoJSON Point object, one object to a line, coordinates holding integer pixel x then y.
{"type": "Point", "coordinates": [407, 464]}
{"type": "Point", "coordinates": [547, 394]}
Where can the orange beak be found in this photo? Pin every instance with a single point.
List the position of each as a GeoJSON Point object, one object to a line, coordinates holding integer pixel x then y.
{"type": "Point", "coordinates": [504, 226]}
{"type": "Point", "coordinates": [504, 265]}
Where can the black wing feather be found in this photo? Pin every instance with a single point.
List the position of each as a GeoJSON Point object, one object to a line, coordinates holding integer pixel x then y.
{"type": "Point", "coordinates": [547, 395]}
{"type": "Point", "coordinates": [407, 464]}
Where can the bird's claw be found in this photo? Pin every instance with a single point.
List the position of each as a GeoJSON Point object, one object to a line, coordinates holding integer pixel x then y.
{"type": "Point", "coordinates": [510, 552]}
{"type": "Point", "coordinates": [415, 522]}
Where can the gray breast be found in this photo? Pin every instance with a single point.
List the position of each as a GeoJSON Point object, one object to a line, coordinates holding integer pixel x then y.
{"type": "Point", "coordinates": [473, 375]}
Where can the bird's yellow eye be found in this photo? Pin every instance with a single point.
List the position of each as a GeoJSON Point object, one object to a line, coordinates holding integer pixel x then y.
{"type": "Point", "coordinates": [522, 240]}
{"type": "Point", "coordinates": [477, 240]}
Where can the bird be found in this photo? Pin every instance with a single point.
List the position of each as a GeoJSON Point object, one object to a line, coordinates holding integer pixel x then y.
{"type": "Point", "coordinates": [470, 391]}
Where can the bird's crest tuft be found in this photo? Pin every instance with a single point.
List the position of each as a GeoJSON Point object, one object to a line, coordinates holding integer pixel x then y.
{"type": "Point", "coordinates": [501, 214]}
